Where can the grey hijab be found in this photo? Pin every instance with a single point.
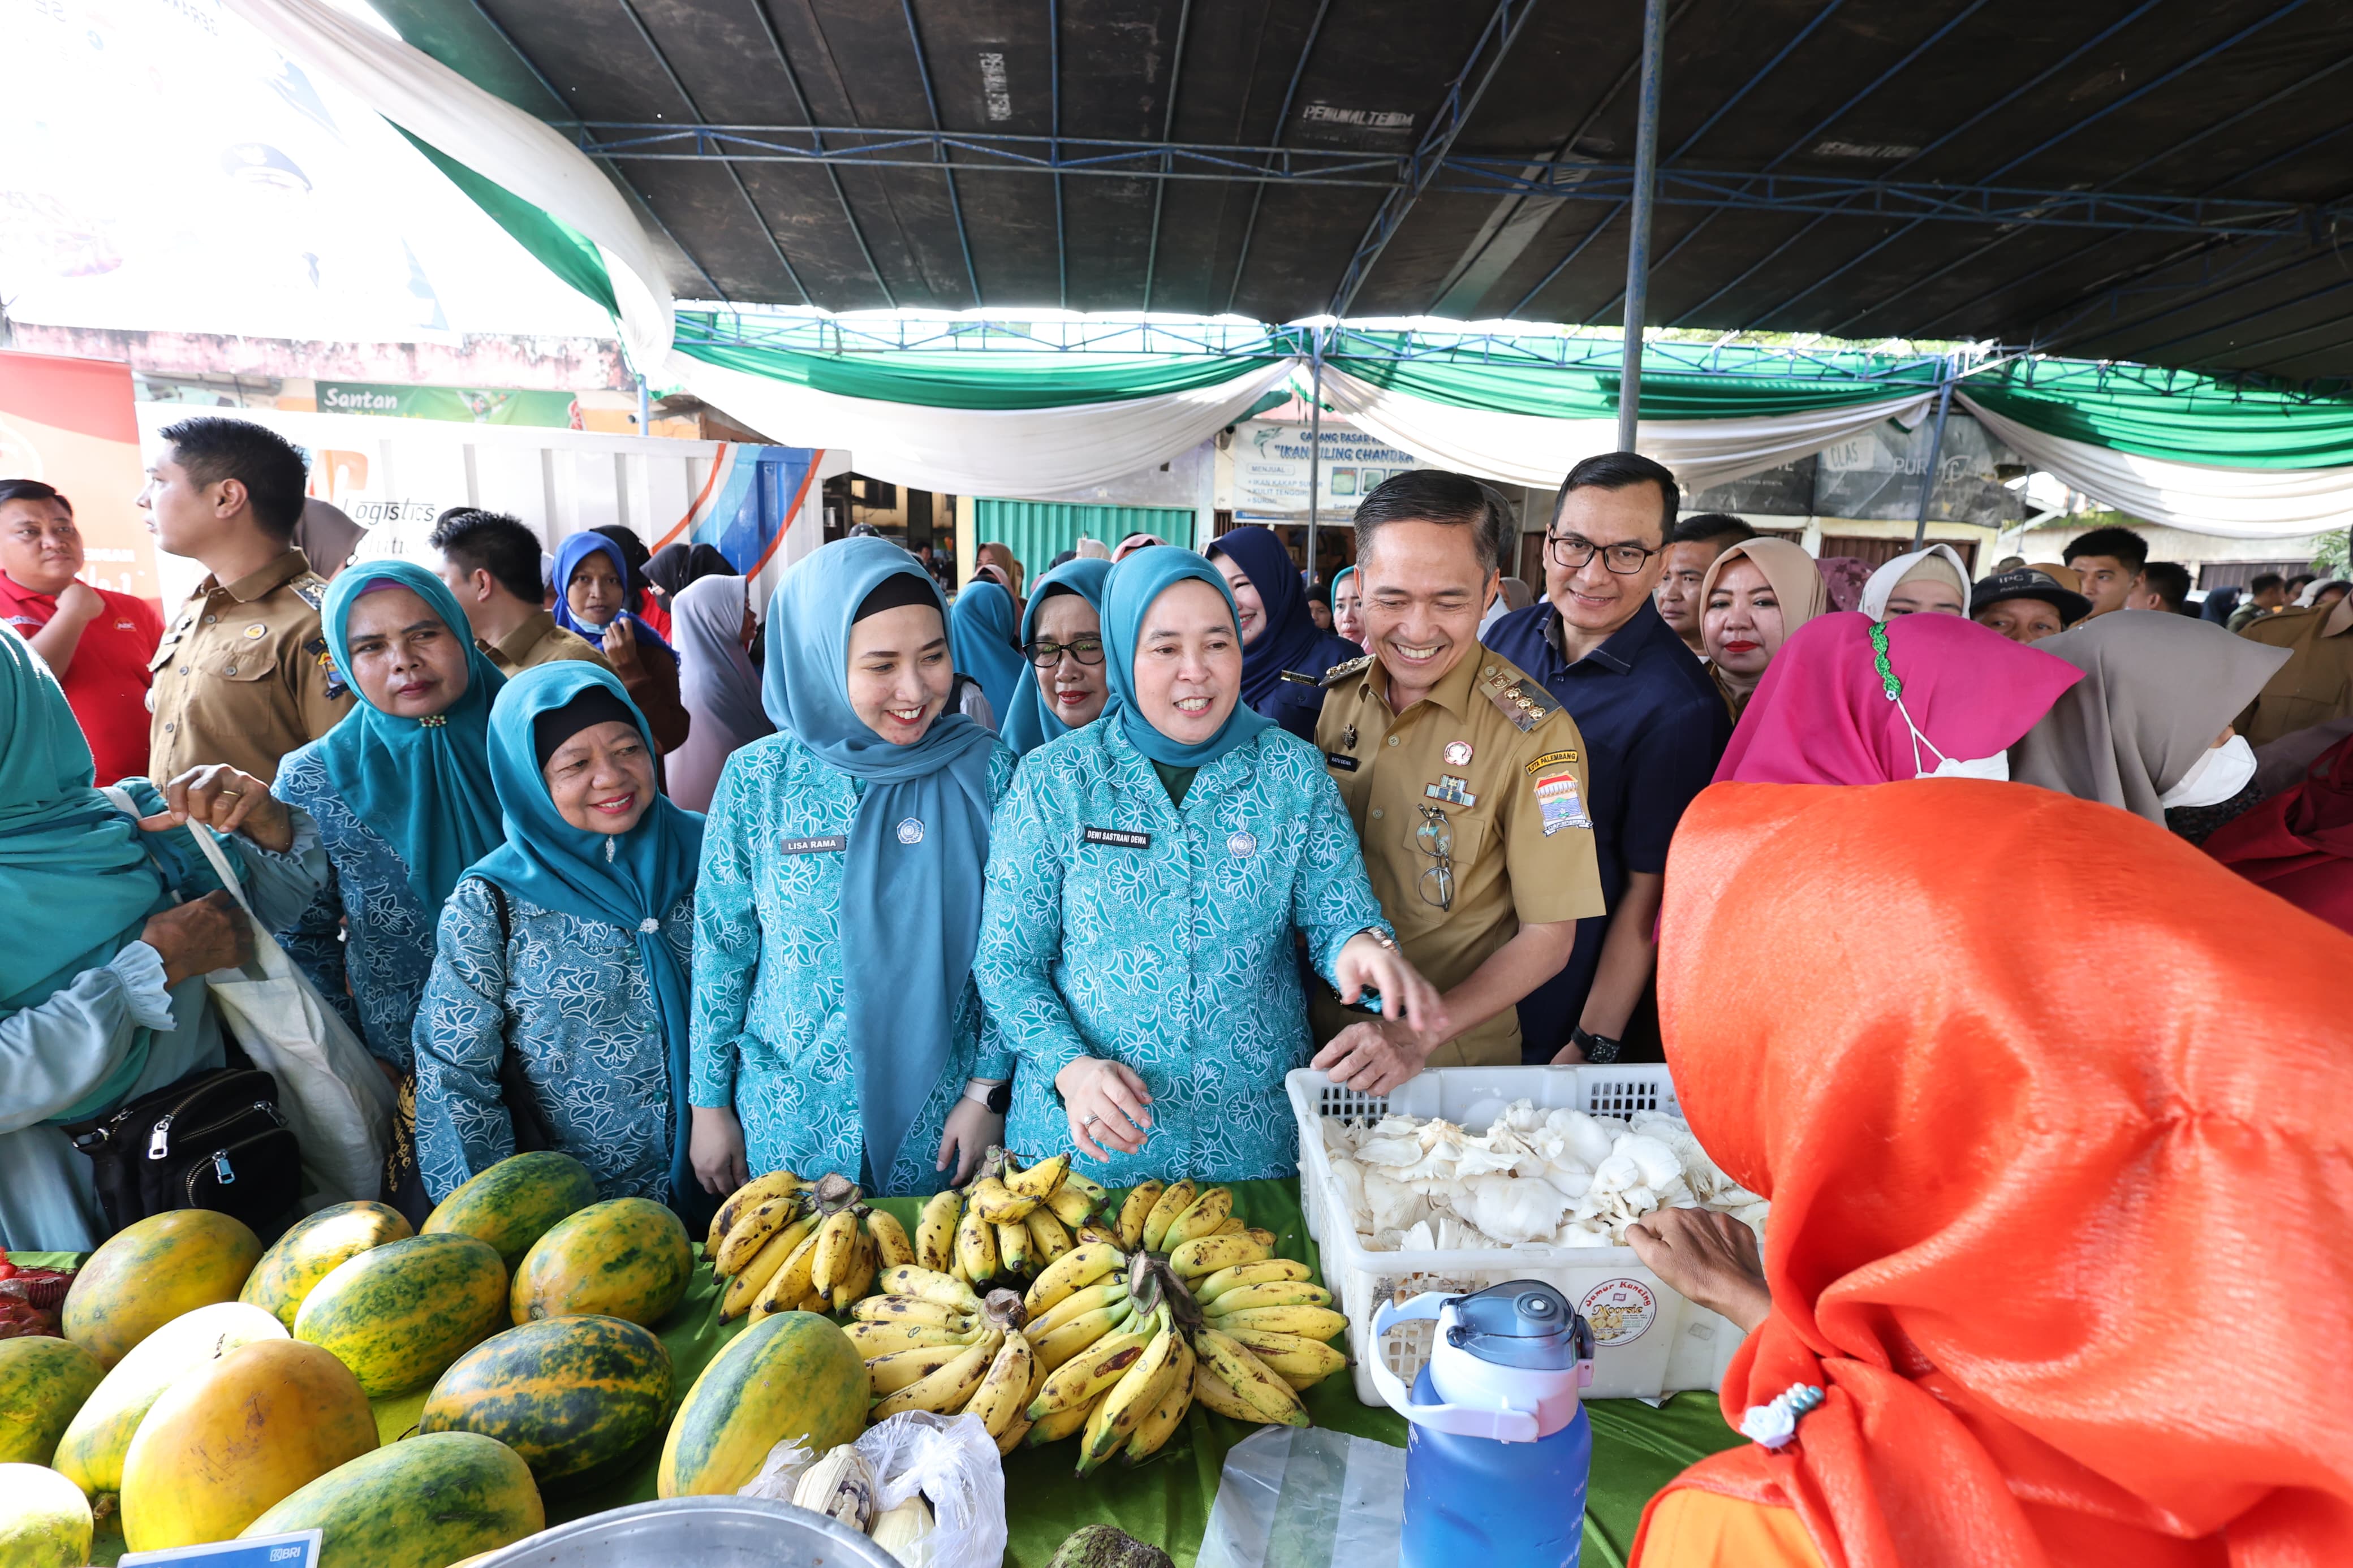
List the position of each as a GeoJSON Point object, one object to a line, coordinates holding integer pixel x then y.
{"type": "Point", "coordinates": [2157, 689]}
{"type": "Point", "coordinates": [717, 685]}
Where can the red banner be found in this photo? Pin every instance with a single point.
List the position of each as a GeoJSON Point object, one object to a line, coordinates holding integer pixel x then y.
{"type": "Point", "coordinates": [68, 422]}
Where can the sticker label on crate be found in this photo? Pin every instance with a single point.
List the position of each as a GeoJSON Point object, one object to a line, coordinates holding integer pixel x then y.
{"type": "Point", "coordinates": [1620, 1311]}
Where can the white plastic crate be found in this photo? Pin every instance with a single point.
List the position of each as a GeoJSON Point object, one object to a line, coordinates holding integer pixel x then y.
{"type": "Point", "coordinates": [1649, 1340]}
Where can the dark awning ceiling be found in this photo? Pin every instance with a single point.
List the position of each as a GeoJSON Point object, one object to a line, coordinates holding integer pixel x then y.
{"type": "Point", "coordinates": [2155, 180]}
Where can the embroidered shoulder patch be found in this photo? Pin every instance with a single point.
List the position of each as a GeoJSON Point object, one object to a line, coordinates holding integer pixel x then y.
{"type": "Point", "coordinates": [1558, 805]}
{"type": "Point", "coordinates": [1550, 760]}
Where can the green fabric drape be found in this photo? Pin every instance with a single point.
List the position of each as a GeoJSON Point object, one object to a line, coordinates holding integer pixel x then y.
{"type": "Point", "coordinates": [2178, 416]}
{"type": "Point", "coordinates": [561, 248]}
{"type": "Point", "coordinates": [1679, 382]}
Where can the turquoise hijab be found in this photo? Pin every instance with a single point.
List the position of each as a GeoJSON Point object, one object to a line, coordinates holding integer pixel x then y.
{"type": "Point", "coordinates": [548, 862]}
{"type": "Point", "coordinates": [1032, 723]}
{"type": "Point", "coordinates": [423, 784]}
{"type": "Point", "coordinates": [982, 637]}
{"type": "Point", "coordinates": [1128, 592]}
{"type": "Point", "coordinates": [912, 877]}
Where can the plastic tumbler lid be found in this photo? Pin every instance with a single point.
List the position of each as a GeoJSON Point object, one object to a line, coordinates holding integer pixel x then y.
{"type": "Point", "coordinates": [1520, 1323]}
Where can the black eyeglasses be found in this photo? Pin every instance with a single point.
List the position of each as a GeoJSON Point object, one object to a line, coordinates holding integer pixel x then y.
{"type": "Point", "coordinates": [1046, 655]}
{"type": "Point", "coordinates": [1435, 838]}
{"type": "Point", "coordinates": [1573, 551]}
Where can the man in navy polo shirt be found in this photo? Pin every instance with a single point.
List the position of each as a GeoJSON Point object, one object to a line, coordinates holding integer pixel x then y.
{"type": "Point", "coordinates": [1653, 726]}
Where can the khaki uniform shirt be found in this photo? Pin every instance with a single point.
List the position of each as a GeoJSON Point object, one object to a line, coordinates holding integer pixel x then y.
{"type": "Point", "coordinates": [243, 676]}
{"type": "Point", "coordinates": [2315, 685]}
{"type": "Point", "coordinates": [1491, 754]}
{"type": "Point", "coordinates": [540, 640]}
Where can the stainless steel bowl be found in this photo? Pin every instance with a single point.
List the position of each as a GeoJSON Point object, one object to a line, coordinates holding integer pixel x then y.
{"type": "Point", "coordinates": [700, 1531]}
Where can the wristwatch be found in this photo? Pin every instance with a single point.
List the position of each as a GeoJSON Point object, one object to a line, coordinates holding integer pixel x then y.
{"type": "Point", "coordinates": [1599, 1050]}
{"type": "Point", "coordinates": [997, 1097]}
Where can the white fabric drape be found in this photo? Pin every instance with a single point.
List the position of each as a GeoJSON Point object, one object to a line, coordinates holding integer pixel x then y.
{"type": "Point", "coordinates": [2230, 503]}
{"type": "Point", "coordinates": [1039, 454]}
{"type": "Point", "coordinates": [1534, 450]}
{"type": "Point", "coordinates": [490, 136]}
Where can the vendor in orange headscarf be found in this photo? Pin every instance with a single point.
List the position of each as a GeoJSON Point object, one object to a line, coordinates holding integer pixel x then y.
{"type": "Point", "coordinates": [2056, 1273]}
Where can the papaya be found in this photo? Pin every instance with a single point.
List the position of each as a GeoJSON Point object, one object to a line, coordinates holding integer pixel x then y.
{"type": "Point", "coordinates": [515, 1202]}
{"type": "Point", "coordinates": [397, 1314]}
{"type": "Point", "coordinates": [235, 1436]}
{"type": "Point", "coordinates": [310, 1251]}
{"type": "Point", "coordinates": [90, 1452]}
{"type": "Point", "coordinates": [43, 1382]}
{"type": "Point", "coordinates": [791, 1374]}
{"type": "Point", "coordinates": [44, 1521]}
{"type": "Point", "coordinates": [153, 1270]}
{"type": "Point", "coordinates": [567, 1394]}
{"type": "Point", "coordinates": [625, 1258]}
{"type": "Point", "coordinates": [423, 1502]}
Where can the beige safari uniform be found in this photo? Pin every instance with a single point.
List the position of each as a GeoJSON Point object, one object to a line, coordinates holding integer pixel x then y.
{"type": "Point", "coordinates": [244, 676]}
{"type": "Point", "coordinates": [1491, 752]}
{"type": "Point", "coordinates": [540, 640]}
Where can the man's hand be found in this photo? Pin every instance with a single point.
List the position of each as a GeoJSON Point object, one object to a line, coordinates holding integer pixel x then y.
{"type": "Point", "coordinates": [79, 602]}
{"type": "Point", "coordinates": [200, 936]}
{"type": "Point", "coordinates": [225, 800]}
{"type": "Point", "coordinates": [1709, 1258]}
{"type": "Point", "coordinates": [715, 1147]}
{"type": "Point", "coordinates": [1375, 1055]}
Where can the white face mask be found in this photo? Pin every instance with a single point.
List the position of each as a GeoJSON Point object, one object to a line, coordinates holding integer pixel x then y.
{"type": "Point", "coordinates": [1995, 767]}
{"type": "Point", "coordinates": [2215, 777]}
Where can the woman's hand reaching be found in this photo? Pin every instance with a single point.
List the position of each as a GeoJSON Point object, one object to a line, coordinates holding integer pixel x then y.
{"type": "Point", "coordinates": [1107, 1105]}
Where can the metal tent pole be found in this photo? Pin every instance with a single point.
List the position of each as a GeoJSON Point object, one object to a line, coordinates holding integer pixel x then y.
{"type": "Point", "coordinates": [1936, 455]}
{"type": "Point", "coordinates": [1314, 447]}
{"type": "Point", "coordinates": [1637, 245]}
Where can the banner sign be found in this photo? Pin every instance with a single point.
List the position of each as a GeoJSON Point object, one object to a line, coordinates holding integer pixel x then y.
{"type": "Point", "coordinates": [1270, 461]}
{"type": "Point", "coordinates": [471, 405]}
{"type": "Point", "coordinates": [70, 423]}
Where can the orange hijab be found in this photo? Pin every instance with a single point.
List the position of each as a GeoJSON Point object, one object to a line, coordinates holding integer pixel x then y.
{"type": "Point", "coordinates": [2056, 1134]}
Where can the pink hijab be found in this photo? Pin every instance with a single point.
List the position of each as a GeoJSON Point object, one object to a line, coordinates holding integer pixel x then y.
{"type": "Point", "coordinates": [1822, 713]}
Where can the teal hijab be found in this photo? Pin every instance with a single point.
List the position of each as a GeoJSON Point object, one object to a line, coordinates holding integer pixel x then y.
{"type": "Point", "coordinates": [1128, 592]}
{"type": "Point", "coordinates": [423, 784]}
{"type": "Point", "coordinates": [548, 862]}
{"type": "Point", "coordinates": [913, 875]}
{"type": "Point", "coordinates": [986, 646]}
{"type": "Point", "coordinates": [1032, 723]}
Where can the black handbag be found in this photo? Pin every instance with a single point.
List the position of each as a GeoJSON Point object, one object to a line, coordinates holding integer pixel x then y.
{"type": "Point", "coordinates": [214, 1139]}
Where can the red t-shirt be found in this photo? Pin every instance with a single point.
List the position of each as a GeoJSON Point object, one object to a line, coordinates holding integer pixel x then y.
{"type": "Point", "coordinates": [107, 680]}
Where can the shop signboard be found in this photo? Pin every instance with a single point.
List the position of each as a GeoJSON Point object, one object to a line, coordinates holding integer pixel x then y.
{"type": "Point", "coordinates": [1270, 463]}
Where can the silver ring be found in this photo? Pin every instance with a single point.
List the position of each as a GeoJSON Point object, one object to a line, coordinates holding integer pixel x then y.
{"type": "Point", "coordinates": [1091, 1119]}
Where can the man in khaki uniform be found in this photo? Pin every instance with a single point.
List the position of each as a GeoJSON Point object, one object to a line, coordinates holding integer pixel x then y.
{"type": "Point", "coordinates": [243, 675]}
{"type": "Point", "coordinates": [491, 562]}
{"type": "Point", "coordinates": [2316, 684]}
{"type": "Point", "coordinates": [1467, 783]}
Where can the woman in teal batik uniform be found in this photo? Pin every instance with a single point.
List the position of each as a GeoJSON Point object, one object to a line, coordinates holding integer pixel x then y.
{"type": "Point", "coordinates": [1147, 879]}
{"type": "Point", "coordinates": [836, 1024]}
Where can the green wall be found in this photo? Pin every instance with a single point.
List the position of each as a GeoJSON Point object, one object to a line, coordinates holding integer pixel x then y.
{"type": "Point", "coordinates": [1038, 531]}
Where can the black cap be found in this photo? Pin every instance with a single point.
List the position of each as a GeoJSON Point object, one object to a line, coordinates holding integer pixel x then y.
{"type": "Point", "coordinates": [2028, 584]}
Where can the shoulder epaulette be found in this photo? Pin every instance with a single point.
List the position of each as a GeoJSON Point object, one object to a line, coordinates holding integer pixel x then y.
{"type": "Point", "coordinates": [310, 588]}
{"type": "Point", "coordinates": [1340, 672]}
{"type": "Point", "coordinates": [1299, 678]}
{"type": "Point", "coordinates": [1524, 701]}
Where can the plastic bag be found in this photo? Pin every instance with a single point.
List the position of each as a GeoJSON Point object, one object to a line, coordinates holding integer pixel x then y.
{"type": "Point", "coordinates": [1291, 1496]}
{"type": "Point", "coordinates": [951, 1460]}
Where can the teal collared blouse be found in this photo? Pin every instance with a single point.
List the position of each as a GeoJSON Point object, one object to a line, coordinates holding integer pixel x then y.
{"type": "Point", "coordinates": [1119, 925]}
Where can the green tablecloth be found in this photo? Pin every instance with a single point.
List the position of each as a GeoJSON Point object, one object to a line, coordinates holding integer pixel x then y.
{"type": "Point", "coordinates": [1636, 1447]}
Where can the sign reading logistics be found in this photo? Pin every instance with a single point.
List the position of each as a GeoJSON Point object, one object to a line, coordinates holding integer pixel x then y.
{"type": "Point", "coordinates": [299, 1550]}
{"type": "Point", "coordinates": [1271, 464]}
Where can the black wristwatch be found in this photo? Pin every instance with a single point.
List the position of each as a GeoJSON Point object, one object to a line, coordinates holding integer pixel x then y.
{"type": "Point", "coordinates": [1599, 1050]}
{"type": "Point", "coordinates": [998, 1098]}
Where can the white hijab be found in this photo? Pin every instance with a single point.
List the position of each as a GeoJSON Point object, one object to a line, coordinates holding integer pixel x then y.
{"type": "Point", "coordinates": [1882, 583]}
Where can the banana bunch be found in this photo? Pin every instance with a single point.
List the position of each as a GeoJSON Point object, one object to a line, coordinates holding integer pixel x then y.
{"type": "Point", "coordinates": [784, 1245]}
{"type": "Point", "coordinates": [930, 1344]}
{"type": "Point", "coordinates": [1010, 1221]}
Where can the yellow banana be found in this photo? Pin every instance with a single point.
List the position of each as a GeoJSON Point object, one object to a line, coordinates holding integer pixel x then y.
{"type": "Point", "coordinates": [1161, 1423]}
{"type": "Point", "coordinates": [1210, 1393]}
{"type": "Point", "coordinates": [833, 1238]}
{"type": "Point", "coordinates": [1210, 1211]}
{"type": "Point", "coordinates": [883, 1339]}
{"type": "Point", "coordinates": [1077, 1304]}
{"type": "Point", "coordinates": [1059, 1425]}
{"type": "Point", "coordinates": [1205, 1255]}
{"type": "Point", "coordinates": [1262, 1236]}
{"type": "Point", "coordinates": [890, 1373]}
{"type": "Point", "coordinates": [935, 1231]}
{"type": "Point", "coordinates": [1273, 1293]}
{"type": "Point", "coordinates": [753, 1231]}
{"type": "Point", "coordinates": [891, 1246]}
{"type": "Point", "coordinates": [1233, 1226]}
{"type": "Point", "coordinates": [1131, 1399]}
{"type": "Point", "coordinates": [1089, 1372]}
{"type": "Point", "coordinates": [1266, 1270]}
{"type": "Point", "coordinates": [1308, 1322]}
{"type": "Point", "coordinates": [909, 1309]}
{"type": "Point", "coordinates": [1073, 1182]}
{"type": "Point", "coordinates": [1018, 1432]}
{"type": "Point", "coordinates": [743, 1200]}
{"type": "Point", "coordinates": [745, 1286]}
{"type": "Point", "coordinates": [997, 1204]}
{"type": "Point", "coordinates": [859, 1279]}
{"type": "Point", "coordinates": [1047, 1238]}
{"type": "Point", "coordinates": [1013, 1248]}
{"type": "Point", "coordinates": [1042, 1180]}
{"type": "Point", "coordinates": [790, 1282]}
{"type": "Point", "coordinates": [975, 1247]}
{"type": "Point", "coordinates": [1290, 1354]}
{"type": "Point", "coordinates": [1173, 1203]}
{"type": "Point", "coordinates": [1004, 1393]}
{"type": "Point", "coordinates": [1104, 1231]}
{"type": "Point", "coordinates": [1298, 1382]}
{"type": "Point", "coordinates": [1082, 1332]}
{"type": "Point", "coordinates": [1257, 1386]}
{"type": "Point", "coordinates": [948, 1390]}
{"type": "Point", "coordinates": [1071, 1206]}
{"type": "Point", "coordinates": [1078, 1268]}
{"type": "Point", "coordinates": [929, 1285]}
{"type": "Point", "coordinates": [1134, 1211]}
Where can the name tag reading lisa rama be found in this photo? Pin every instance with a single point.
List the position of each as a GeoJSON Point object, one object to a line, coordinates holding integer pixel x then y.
{"type": "Point", "coordinates": [826, 843]}
{"type": "Point", "coordinates": [299, 1550]}
{"type": "Point", "coordinates": [1116, 838]}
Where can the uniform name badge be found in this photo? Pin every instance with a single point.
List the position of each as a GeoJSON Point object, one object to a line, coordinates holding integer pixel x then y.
{"type": "Point", "coordinates": [1116, 838]}
{"type": "Point", "coordinates": [1558, 805]}
{"type": "Point", "coordinates": [822, 844]}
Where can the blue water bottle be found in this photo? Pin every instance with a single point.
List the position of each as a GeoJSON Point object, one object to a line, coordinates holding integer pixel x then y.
{"type": "Point", "coordinates": [1495, 1465]}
